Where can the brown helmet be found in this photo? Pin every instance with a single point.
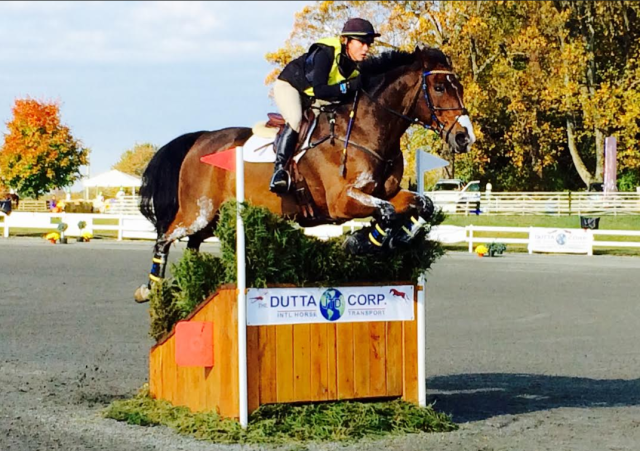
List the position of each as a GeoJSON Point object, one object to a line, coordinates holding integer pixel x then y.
{"type": "Point", "coordinates": [359, 29]}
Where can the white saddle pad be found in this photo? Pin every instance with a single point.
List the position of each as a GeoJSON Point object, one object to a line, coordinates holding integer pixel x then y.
{"type": "Point", "coordinates": [259, 150]}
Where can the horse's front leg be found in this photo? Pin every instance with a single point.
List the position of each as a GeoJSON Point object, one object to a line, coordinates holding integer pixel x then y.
{"type": "Point", "coordinates": [415, 210]}
{"type": "Point", "coordinates": [355, 202]}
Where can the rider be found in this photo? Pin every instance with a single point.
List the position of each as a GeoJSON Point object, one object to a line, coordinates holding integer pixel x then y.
{"type": "Point", "coordinates": [328, 71]}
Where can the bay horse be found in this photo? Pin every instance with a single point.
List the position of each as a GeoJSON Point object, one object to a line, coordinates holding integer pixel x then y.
{"type": "Point", "coordinates": [181, 196]}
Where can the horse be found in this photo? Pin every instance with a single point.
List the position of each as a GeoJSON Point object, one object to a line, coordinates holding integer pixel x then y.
{"type": "Point", "coordinates": [8, 202]}
{"type": "Point", "coordinates": [351, 168]}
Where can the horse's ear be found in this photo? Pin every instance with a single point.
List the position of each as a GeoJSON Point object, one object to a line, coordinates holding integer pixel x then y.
{"type": "Point", "coordinates": [420, 50]}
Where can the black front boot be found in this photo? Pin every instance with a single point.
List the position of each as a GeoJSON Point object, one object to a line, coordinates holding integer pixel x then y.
{"type": "Point", "coordinates": [281, 181]}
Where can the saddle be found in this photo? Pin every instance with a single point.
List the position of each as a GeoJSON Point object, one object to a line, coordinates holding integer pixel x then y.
{"type": "Point", "coordinates": [277, 121]}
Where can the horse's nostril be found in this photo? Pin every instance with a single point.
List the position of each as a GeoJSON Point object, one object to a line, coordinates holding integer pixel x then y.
{"type": "Point", "coordinates": [462, 139]}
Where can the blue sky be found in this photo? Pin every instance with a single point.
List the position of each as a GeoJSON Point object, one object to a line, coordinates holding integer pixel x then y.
{"type": "Point", "coordinates": [135, 72]}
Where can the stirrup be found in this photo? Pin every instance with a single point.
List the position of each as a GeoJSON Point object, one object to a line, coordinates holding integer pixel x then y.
{"type": "Point", "coordinates": [283, 184]}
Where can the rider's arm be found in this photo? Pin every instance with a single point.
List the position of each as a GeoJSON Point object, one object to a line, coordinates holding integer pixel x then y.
{"type": "Point", "coordinates": [321, 66]}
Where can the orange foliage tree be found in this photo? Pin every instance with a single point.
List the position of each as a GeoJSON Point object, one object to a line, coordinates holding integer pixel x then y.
{"type": "Point", "coordinates": [39, 153]}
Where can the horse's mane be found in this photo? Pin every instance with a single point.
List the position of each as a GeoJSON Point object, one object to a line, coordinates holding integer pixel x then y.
{"type": "Point", "coordinates": [384, 62]}
{"type": "Point", "coordinates": [374, 69]}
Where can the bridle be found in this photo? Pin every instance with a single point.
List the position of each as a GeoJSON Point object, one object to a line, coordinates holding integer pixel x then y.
{"type": "Point", "coordinates": [430, 104]}
{"type": "Point", "coordinates": [414, 120]}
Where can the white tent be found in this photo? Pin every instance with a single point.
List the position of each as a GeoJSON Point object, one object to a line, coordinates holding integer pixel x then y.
{"type": "Point", "coordinates": [113, 179]}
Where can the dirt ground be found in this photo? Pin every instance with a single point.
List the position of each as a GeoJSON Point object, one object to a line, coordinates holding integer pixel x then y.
{"type": "Point", "coordinates": [526, 352]}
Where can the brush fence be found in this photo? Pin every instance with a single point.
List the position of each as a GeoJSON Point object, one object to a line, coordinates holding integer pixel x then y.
{"type": "Point", "coordinates": [289, 363]}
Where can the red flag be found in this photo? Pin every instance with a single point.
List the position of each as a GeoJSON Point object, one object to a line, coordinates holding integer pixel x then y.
{"type": "Point", "coordinates": [225, 159]}
{"type": "Point", "coordinates": [194, 343]}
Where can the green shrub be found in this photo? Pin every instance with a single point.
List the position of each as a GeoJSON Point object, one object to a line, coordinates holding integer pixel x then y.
{"type": "Point", "coordinates": [278, 252]}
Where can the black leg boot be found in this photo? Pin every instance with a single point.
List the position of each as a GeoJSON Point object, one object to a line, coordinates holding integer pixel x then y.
{"type": "Point", "coordinates": [281, 181]}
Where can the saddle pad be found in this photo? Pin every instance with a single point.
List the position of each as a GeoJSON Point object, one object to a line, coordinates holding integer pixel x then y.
{"type": "Point", "coordinates": [259, 150]}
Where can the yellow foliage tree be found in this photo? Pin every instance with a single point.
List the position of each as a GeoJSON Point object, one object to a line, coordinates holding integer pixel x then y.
{"type": "Point", "coordinates": [545, 82]}
{"type": "Point", "coordinates": [135, 160]}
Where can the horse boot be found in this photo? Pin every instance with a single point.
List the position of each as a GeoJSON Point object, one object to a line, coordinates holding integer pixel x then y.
{"type": "Point", "coordinates": [406, 232]}
{"type": "Point", "coordinates": [367, 241]}
{"type": "Point", "coordinates": [410, 227]}
{"type": "Point", "coordinates": [281, 180]}
{"type": "Point", "coordinates": [156, 275]}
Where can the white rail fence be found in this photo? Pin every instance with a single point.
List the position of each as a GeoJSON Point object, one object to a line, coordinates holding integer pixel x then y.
{"type": "Point", "coordinates": [491, 203]}
{"type": "Point", "coordinates": [505, 203]}
{"type": "Point", "coordinates": [545, 203]}
{"type": "Point", "coordinates": [138, 227]}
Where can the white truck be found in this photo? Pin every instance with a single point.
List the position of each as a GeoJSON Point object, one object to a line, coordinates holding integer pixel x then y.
{"type": "Point", "coordinates": [453, 195]}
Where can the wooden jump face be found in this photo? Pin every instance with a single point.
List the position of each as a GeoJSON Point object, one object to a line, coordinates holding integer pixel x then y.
{"type": "Point", "coordinates": [289, 363]}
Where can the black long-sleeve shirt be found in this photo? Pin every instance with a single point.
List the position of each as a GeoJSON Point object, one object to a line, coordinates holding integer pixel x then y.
{"type": "Point", "coordinates": [312, 69]}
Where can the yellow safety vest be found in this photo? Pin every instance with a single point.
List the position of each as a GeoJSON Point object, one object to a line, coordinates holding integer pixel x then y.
{"type": "Point", "coordinates": [335, 76]}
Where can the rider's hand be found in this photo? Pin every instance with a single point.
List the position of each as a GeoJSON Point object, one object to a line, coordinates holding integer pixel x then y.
{"type": "Point", "coordinates": [354, 84]}
{"type": "Point", "coordinates": [351, 86]}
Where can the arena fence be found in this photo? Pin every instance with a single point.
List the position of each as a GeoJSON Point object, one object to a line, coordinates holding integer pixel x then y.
{"type": "Point", "coordinates": [546, 203]}
{"type": "Point", "coordinates": [138, 227]}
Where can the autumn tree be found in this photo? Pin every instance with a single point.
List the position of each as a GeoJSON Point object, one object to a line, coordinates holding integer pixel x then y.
{"type": "Point", "coordinates": [545, 82]}
{"type": "Point", "coordinates": [39, 154]}
{"type": "Point", "coordinates": [600, 69]}
{"type": "Point", "coordinates": [135, 160]}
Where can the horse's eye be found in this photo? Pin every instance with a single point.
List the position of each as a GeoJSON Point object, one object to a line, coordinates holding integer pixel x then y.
{"type": "Point", "coordinates": [439, 88]}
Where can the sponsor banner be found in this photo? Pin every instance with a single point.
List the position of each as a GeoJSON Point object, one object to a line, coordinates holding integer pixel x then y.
{"type": "Point", "coordinates": [273, 306]}
{"type": "Point", "coordinates": [577, 241]}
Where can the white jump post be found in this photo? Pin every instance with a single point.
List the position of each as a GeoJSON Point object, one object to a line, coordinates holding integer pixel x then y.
{"type": "Point", "coordinates": [422, 345]}
{"type": "Point", "coordinates": [242, 285]}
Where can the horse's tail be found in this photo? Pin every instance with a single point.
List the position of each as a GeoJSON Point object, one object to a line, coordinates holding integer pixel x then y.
{"type": "Point", "coordinates": [159, 190]}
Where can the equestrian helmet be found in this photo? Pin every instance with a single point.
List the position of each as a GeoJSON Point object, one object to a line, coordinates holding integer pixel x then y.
{"type": "Point", "coordinates": [359, 29]}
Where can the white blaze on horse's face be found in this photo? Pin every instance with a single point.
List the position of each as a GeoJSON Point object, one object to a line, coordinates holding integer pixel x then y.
{"type": "Point", "coordinates": [465, 121]}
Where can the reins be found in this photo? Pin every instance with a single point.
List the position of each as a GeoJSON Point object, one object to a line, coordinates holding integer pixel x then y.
{"type": "Point", "coordinates": [413, 120]}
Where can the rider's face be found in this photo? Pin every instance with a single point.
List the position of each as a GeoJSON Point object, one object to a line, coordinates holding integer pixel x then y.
{"type": "Point", "coordinates": [357, 50]}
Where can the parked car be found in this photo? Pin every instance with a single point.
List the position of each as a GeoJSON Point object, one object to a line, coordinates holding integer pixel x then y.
{"type": "Point", "coordinates": [454, 194]}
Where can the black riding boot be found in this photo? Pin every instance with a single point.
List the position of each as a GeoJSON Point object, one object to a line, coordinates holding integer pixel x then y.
{"type": "Point", "coordinates": [281, 181]}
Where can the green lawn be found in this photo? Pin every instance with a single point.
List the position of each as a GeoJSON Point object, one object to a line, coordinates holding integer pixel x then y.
{"type": "Point", "coordinates": [568, 222]}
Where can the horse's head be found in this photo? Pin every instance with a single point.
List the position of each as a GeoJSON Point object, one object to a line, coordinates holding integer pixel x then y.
{"type": "Point", "coordinates": [442, 107]}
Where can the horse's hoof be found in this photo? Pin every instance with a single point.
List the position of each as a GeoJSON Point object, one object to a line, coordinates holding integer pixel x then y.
{"type": "Point", "coordinates": [142, 294]}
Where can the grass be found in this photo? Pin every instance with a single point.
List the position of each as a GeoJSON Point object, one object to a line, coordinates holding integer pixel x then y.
{"type": "Point", "coordinates": [606, 222]}
{"type": "Point", "coordinates": [567, 222]}
{"type": "Point", "coordinates": [343, 421]}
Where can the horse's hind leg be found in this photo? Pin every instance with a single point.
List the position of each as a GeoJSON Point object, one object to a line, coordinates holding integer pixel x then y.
{"type": "Point", "coordinates": [200, 228]}
{"type": "Point", "coordinates": [158, 267]}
